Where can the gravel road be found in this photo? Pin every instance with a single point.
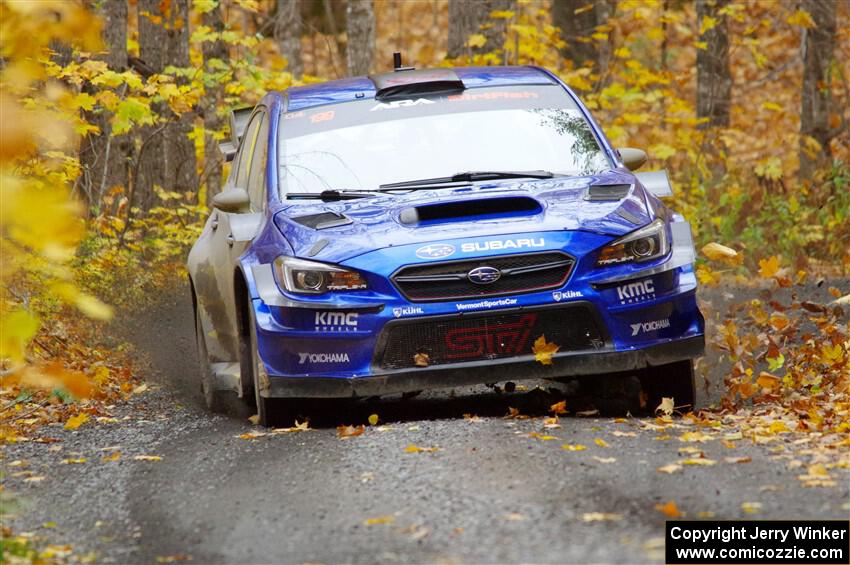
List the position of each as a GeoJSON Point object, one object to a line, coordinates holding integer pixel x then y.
{"type": "Point", "coordinates": [489, 493]}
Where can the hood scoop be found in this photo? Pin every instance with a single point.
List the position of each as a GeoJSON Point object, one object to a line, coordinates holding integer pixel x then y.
{"type": "Point", "coordinates": [323, 221]}
{"type": "Point", "coordinates": [607, 193]}
{"type": "Point", "coordinates": [472, 209]}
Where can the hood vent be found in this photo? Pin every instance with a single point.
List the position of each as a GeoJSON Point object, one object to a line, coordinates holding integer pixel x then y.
{"type": "Point", "coordinates": [605, 193]}
{"type": "Point", "coordinates": [483, 209]}
{"type": "Point", "coordinates": [323, 221]}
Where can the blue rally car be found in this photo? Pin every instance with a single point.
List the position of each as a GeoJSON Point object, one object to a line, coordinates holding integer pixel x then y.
{"type": "Point", "coordinates": [433, 228]}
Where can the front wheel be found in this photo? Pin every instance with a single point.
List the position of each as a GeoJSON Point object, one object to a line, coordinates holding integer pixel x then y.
{"type": "Point", "coordinates": [269, 410]}
{"type": "Point", "coordinates": [213, 398]}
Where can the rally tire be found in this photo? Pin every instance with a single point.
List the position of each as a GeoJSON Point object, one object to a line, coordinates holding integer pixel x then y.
{"type": "Point", "coordinates": [270, 411]}
{"type": "Point", "coordinates": [214, 399]}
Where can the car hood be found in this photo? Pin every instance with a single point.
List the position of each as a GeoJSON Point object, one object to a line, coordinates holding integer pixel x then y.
{"type": "Point", "coordinates": [611, 203]}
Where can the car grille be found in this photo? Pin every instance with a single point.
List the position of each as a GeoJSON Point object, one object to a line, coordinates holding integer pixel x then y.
{"type": "Point", "coordinates": [449, 280]}
{"type": "Point", "coordinates": [484, 336]}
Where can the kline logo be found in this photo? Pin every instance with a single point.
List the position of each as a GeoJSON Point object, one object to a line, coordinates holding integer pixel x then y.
{"type": "Point", "coordinates": [336, 321]}
{"type": "Point", "coordinates": [398, 312]}
{"type": "Point", "coordinates": [636, 292]}
{"type": "Point", "coordinates": [322, 358]}
{"type": "Point", "coordinates": [653, 326]}
{"type": "Point", "coordinates": [497, 245]}
{"type": "Point", "coordinates": [484, 275]}
{"type": "Point", "coordinates": [400, 104]}
{"type": "Point", "coordinates": [435, 251]}
{"type": "Point", "coordinates": [559, 295]}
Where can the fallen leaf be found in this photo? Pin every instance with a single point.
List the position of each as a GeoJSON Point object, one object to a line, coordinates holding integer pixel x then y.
{"type": "Point", "coordinates": [698, 437]}
{"type": "Point", "coordinates": [253, 434]}
{"type": "Point", "coordinates": [699, 461]}
{"type": "Point", "coordinates": [416, 449]}
{"type": "Point", "coordinates": [140, 389]}
{"type": "Point", "coordinates": [75, 422]}
{"type": "Point", "coordinates": [114, 456]}
{"type": "Point", "coordinates": [543, 351]}
{"type": "Point", "coordinates": [379, 520]}
{"type": "Point", "coordinates": [666, 407]}
{"type": "Point", "coordinates": [601, 442]}
{"type": "Point", "coordinates": [751, 507]}
{"type": "Point", "coordinates": [541, 437]}
{"type": "Point", "coordinates": [669, 469]}
{"type": "Point", "coordinates": [350, 431]}
{"type": "Point", "coordinates": [472, 418]}
{"type": "Point", "coordinates": [745, 459]}
{"type": "Point", "coordinates": [515, 517]}
{"type": "Point", "coordinates": [513, 414]}
{"type": "Point", "coordinates": [421, 359]}
{"type": "Point", "coordinates": [600, 517]}
{"type": "Point", "coordinates": [605, 459]}
{"type": "Point", "coordinates": [585, 413]}
{"type": "Point", "coordinates": [669, 509]}
{"type": "Point", "coordinates": [373, 419]}
{"type": "Point", "coordinates": [35, 479]}
{"type": "Point", "coordinates": [255, 419]}
{"type": "Point", "coordinates": [573, 447]}
{"type": "Point", "coordinates": [618, 433]}
{"type": "Point", "coordinates": [551, 423]}
{"type": "Point", "coordinates": [147, 458]}
{"type": "Point", "coordinates": [559, 407]}
{"type": "Point", "coordinates": [74, 461]}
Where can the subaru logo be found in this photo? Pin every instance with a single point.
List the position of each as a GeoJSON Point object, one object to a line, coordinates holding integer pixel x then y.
{"type": "Point", "coordinates": [484, 275]}
{"type": "Point", "coordinates": [435, 251]}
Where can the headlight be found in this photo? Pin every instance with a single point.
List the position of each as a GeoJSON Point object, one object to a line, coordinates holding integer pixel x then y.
{"type": "Point", "coordinates": [310, 277]}
{"type": "Point", "coordinates": [647, 243]}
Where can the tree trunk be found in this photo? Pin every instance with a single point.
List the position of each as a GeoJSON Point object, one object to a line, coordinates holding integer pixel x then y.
{"type": "Point", "coordinates": [360, 29]}
{"type": "Point", "coordinates": [576, 29]}
{"type": "Point", "coordinates": [818, 49]}
{"type": "Point", "coordinates": [469, 17]}
{"type": "Point", "coordinates": [103, 156]}
{"type": "Point", "coordinates": [213, 159]}
{"type": "Point", "coordinates": [168, 157]}
{"type": "Point", "coordinates": [287, 32]}
{"type": "Point", "coordinates": [714, 80]}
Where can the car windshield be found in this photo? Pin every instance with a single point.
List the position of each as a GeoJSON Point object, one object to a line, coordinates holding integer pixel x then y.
{"type": "Point", "coordinates": [363, 144]}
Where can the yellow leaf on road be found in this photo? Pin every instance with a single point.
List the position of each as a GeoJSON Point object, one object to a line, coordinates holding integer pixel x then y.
{"type": "Point", "coordinates": [601, 442]}
{"type": "Point", "coordinates": [666, 407]}
{"type": "Point", "coordinates": [373, 419]}
{"type": "Point", "coordinates": [75, 422]}
{"type": "Point", "coordinates": [600, 517]}
{"type": "Point", "coordinates": [699, 461]}
{"type": "Point", "coordinates": [147, 458]}
{"type": "Point", "coordinates": [416, 449]}
{"type": "Point", "coordinates": [74, 461]}
{"type": "Point", "coordinates": [669, 509]}
{"type": "Point", "coordinates": [559, 407]}
{"type": "Point", "coordinates": [573, 447]}
{"type": "Point", "coordinates": [751, 507]}
{"type": "Point", "coordinates": [669, 469]}
{"type": "Point", "coordinates": [379, 520]}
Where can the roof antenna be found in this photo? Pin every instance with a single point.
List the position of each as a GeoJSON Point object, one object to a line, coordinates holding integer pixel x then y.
{"type": "Point", "coordinates": [397, 63]}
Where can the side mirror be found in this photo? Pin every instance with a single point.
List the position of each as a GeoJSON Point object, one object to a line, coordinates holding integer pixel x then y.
{"type": "Point", "coordinates": [232, 200]}
{"type": "Point", "coordinates": [632, 158]}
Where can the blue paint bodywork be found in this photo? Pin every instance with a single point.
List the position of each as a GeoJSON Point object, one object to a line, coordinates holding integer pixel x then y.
{"type": "Point", "coordinates": [377, 244]}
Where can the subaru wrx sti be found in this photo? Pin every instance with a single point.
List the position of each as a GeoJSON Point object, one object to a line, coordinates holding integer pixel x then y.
{"type": "Point", "coordinates": [421, 229]}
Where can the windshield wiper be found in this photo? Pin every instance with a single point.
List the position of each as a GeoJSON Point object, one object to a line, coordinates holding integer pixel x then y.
{"type": "Point", "coordinates": [469, 176]}
{"type": "Point", "coordinates": [332, 195]}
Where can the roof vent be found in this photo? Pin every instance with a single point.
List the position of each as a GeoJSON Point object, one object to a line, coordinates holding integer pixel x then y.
{"type": "Point", "coordinates": [413, 83]}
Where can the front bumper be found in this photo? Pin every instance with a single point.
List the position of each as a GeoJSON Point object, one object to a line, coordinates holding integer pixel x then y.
{"type": "Point", "coordinates": [479, 372]}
